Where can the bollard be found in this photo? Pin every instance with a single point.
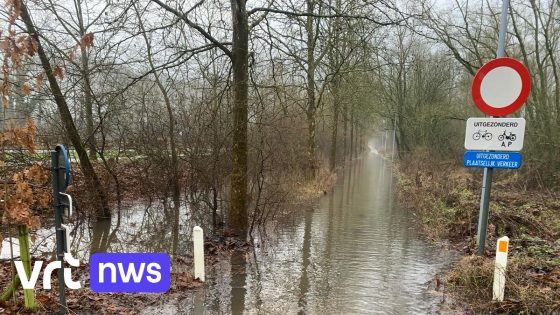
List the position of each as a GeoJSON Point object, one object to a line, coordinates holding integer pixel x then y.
{"type": "Point", "coordinates": [198, 240]}
{"type": "Point", "coordinates": [500, 269]}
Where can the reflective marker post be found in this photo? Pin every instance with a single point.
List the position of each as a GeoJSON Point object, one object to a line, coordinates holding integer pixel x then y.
{"type": "Point", "coordinates": [198, 253]}
{"type": "Point", "coordinates": [487, 179]}
{"type": "Point", "coordinates": [500, 269]}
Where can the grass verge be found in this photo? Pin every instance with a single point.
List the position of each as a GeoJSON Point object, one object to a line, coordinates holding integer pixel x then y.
{"type": "Point", "coordinates": [444, 197]}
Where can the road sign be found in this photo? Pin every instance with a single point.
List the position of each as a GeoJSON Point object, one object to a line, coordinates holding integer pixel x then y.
{"type": "Point", "coordinates": [495, 134]}
{"type": "Point", "coordinates": [492, 159]}
{"type": "Point", "coordinates": [501, 86]}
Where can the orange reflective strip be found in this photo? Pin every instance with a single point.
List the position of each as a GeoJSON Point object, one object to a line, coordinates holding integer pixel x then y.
{"type": "Point", "coordinates": [503, 246]}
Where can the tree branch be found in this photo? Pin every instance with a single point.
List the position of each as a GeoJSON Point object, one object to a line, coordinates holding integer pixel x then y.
{"type": "Point", "coordinates": [328, 16]}
{"type": "Point", "coordinates": [195, 26]}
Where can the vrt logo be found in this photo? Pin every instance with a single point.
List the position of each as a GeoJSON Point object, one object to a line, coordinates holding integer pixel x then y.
{"type": "Point", "coordinates": [29, 283]}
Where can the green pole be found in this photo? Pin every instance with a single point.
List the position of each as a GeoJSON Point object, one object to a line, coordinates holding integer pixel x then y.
{"type": "Point", "coordinates": [28, 294]}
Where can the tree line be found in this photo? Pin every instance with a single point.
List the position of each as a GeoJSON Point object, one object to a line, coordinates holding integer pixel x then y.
{"type": "Point", "coordinates": [220, 103]}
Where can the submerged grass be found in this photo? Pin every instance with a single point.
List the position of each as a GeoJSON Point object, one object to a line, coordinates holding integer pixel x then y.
{"type": "Point", "coordinates": [444, 197]}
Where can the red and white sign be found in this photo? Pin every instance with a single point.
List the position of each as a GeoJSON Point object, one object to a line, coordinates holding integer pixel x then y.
{"type": "Point", "coordinates": [501, 86]}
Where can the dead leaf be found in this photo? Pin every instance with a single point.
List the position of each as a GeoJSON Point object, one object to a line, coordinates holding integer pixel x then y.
{"type": "Point", "coordinates": [57, 72]}
{"type": "Point", "coordinates": [72, 55]}
{"type": "Point", "coordinates": [30, 46]}
{"type": "Point", "coordinates": [39, 81]}
{"type": "Point", "coordinates": [5, 44]}
{"type": "Point", "coordinates": [87, 40]}
{"type": "Point", "coordinates": [25, 89]}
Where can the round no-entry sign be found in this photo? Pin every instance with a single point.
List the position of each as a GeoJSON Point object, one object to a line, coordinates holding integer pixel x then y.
{"type": "Point", "coordinates": [501, 86]}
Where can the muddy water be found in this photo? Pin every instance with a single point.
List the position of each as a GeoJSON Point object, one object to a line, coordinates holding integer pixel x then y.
{"type": "Point", "coordinates": [356, 252]}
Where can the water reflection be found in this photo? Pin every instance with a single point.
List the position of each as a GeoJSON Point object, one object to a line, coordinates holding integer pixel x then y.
{"type": "Point", "coordinates": [138, 227]}
{"type": "Point", "coordinates": [306, 256]}
{"type": "Point", "coordinates": [101, 236]}
{"type": "Point", "coordinates": [238, 282]}
{"type": "Point", "coordinates": [355, 252]}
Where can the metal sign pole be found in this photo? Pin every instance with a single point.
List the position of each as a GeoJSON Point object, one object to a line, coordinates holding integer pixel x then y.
{"type": "Point", "coordinates": [56, 184]}
{"type": "Point", "coordinates": [487, 179]}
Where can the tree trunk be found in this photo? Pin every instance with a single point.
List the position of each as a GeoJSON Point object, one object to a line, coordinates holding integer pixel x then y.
{"type": "Point", "coordinates": [88, 102]}
{"type": "Point", "coordinates": [95, 189]}
{"type": "Point", "coordinates": [171, 132]}
{"type": "Point", "coordinates": [88, 99]}
{"type": "Point", "coordinates": [240, 52]}
{"type": "Point", "coordinates": [25, 256]}
{"type": "Point", "coordinates": [334, 138]}
{"type": "Point", "coordinates": [345, 132]}
{"type": "Point", "coordinates": [310, 90]}
{"type": "Point", "coordinates": [351, 132]}
{"type": "Point", "coordinates": [311, 125]}
{"type": "Point", "coordinates": [8, 291]}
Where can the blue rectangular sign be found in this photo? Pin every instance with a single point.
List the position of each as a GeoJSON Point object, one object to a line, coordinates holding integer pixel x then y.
{"type": "Point", "coordinates": [493, 159]}
{"type": "Point", "coordinates": [130, 272]}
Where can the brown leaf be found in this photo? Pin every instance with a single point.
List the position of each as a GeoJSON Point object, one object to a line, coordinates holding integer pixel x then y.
{"type": "Point", "coordinates": [14, 9]}
{"type": "Point", "coordinates": [87, 40]}
{"type": "Point", "coordinates": [30, 46]}
{"type": "Point", "coordinates": [44, 200]}
{"type": "Point", "coordinates": [39, 81]}
{"type": "Point", "coordinates": [57, 72]}
{"type": "Point", "coordinates": [72, 55]}
{"type": "Point", "coordinates": [5, 44]}
{"type": "Point", "coordinates": [25, 89]}
{"type": "Point", "coordinates": [34, 222]}
{"type": "Point", "coordinates": [6, 101]}
{"type": "Point", "coordinates": [36, 174]}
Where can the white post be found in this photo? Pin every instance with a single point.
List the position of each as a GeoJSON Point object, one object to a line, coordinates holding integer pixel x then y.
{"type": "Point", "coordinates": [198, 240]}
{"type": "Point", "coordinates": [500, 269]}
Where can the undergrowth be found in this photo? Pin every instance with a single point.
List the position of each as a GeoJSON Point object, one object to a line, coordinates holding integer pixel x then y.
{"type": "Point", "coordinates": [444, 196]}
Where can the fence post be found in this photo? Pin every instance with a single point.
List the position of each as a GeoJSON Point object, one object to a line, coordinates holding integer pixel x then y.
{"type": "Point", "coordinates": [198, 240]}
{"type": "Point", "coordinates": [500, 269]}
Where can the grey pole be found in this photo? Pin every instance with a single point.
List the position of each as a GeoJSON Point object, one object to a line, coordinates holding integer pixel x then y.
{"type": "Point", "coordinates": [487, 178]}
{"type": "Point", "coordinates": [503, 29]}
{"type": "Point", "coordinates": [56, 184]}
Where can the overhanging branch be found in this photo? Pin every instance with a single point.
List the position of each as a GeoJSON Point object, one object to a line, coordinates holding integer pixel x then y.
{"type": "Point", "coordinates": [327, 16]}
{"type": "Point", "coordinates": [190, 23]}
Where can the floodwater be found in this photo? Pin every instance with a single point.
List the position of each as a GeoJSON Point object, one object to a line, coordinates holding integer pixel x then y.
{"type": "Point", "coordinates": [354, 252]}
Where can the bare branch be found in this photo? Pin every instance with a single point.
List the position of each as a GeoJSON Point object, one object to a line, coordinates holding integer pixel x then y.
{"type": "Point", "coordinates": [190, 23]}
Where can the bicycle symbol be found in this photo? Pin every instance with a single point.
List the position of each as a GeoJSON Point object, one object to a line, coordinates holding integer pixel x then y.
{"type": "Point", "coordinates": [510, 137]}
{"type": "Point", "coordinates": [482, 134]}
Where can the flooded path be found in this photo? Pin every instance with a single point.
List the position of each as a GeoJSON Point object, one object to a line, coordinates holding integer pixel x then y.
{"type": "Point", "coordinates": [356, 252]}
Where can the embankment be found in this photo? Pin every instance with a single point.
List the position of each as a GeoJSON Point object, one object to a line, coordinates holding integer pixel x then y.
{"type": "Point", "coordinates": [444, 197]}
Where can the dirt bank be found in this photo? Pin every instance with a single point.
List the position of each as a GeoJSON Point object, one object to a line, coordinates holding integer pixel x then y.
{"type": "Point", "coordinates": [444, 197]}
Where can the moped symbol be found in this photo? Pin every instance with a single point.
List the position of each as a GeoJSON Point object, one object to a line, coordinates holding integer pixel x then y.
{"type": "Point", "coordinates": [505, 136]}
